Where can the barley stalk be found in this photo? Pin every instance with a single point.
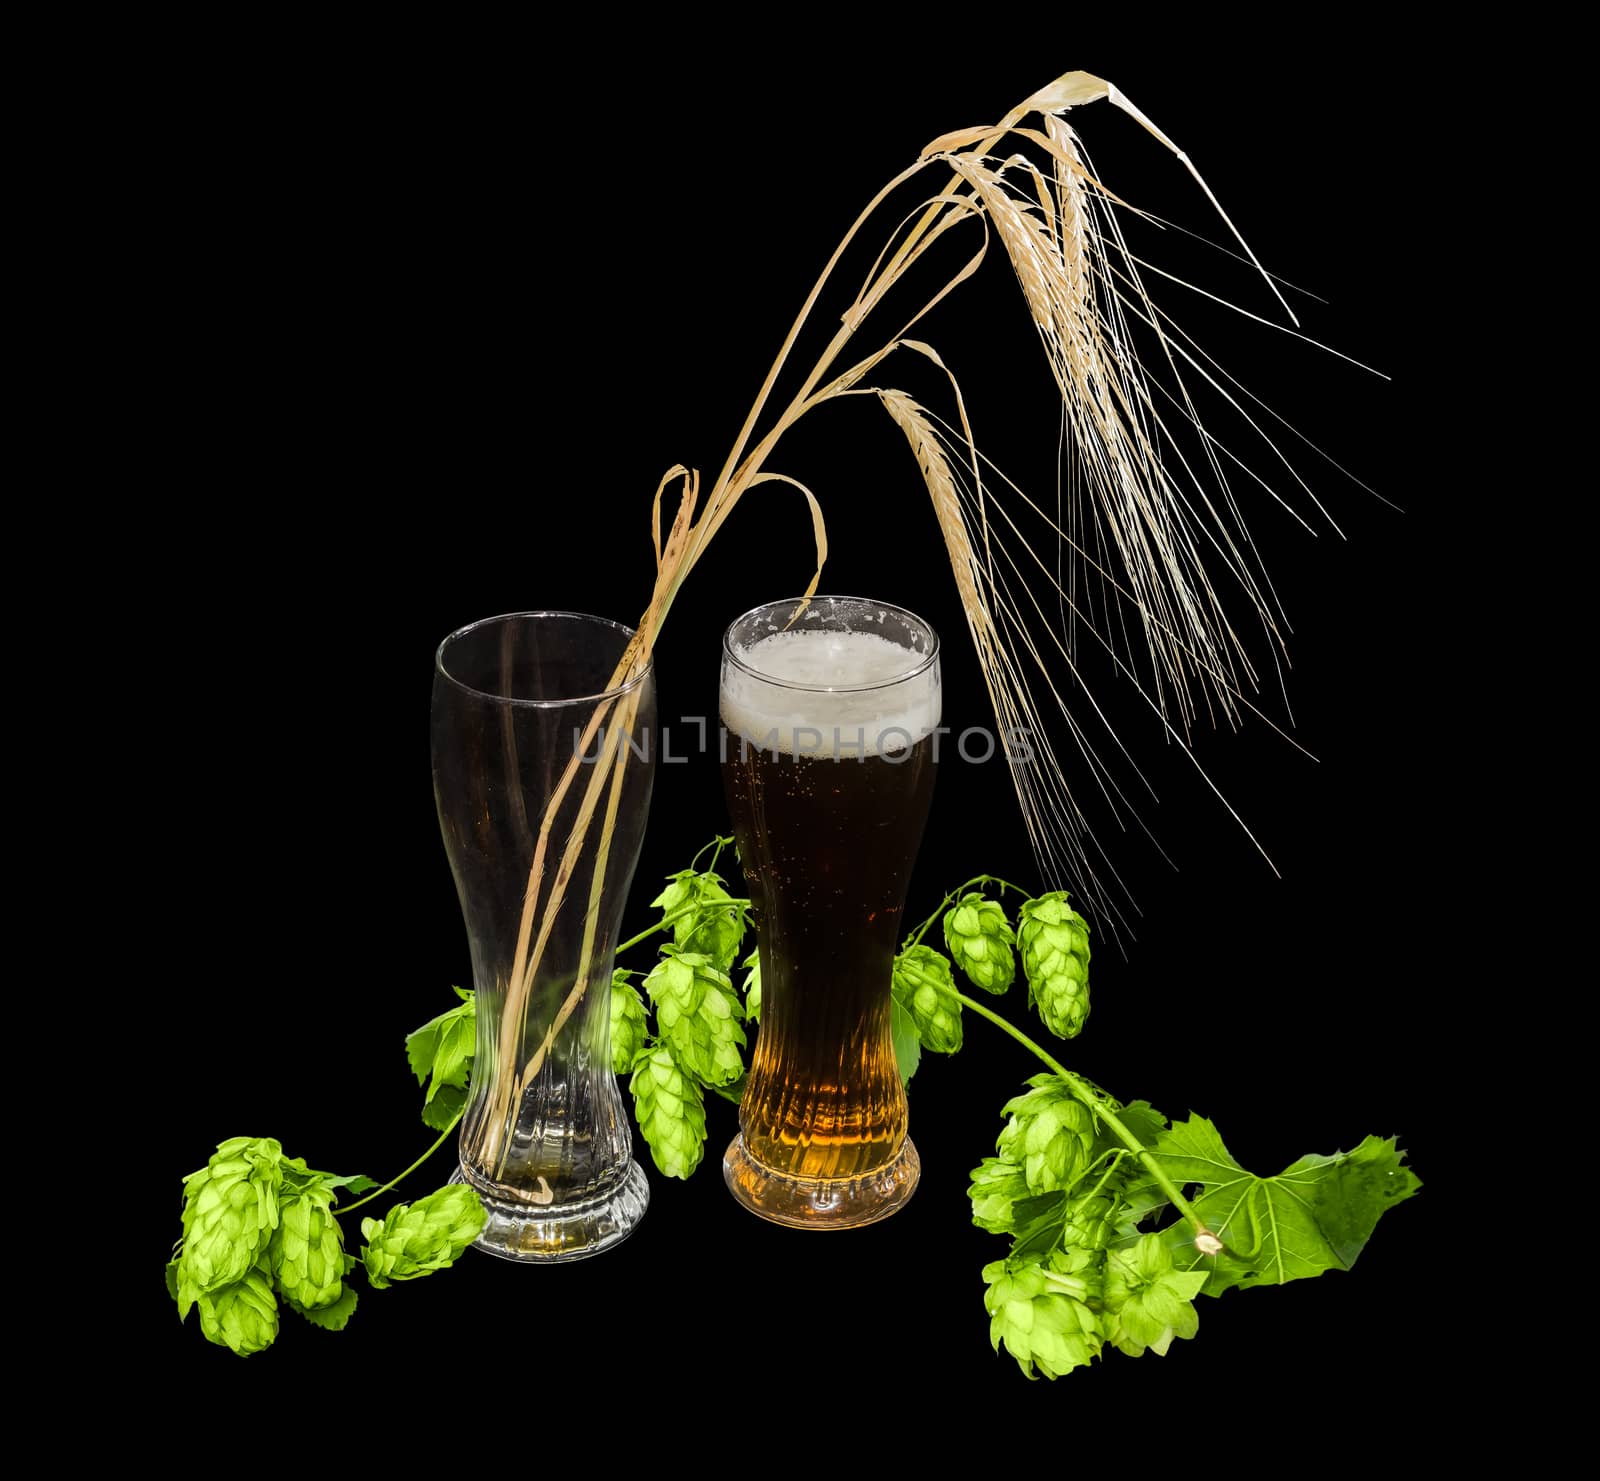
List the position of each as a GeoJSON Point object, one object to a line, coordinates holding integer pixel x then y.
{"type": "Point", "coordinates": [1138, 536]}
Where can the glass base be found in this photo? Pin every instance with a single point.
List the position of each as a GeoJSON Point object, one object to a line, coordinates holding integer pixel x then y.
{"type": "Point", "coordinates": [549, 1234]}
{"type": "Point", "coordinates": [820, 1203]}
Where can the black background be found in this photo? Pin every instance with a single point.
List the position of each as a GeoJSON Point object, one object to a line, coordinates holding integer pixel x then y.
{"type": "Point", "coordinates": [433, 317]}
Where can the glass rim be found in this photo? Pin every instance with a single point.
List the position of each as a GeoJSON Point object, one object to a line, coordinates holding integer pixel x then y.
{"type": "Point", "coordinates": [927, 660]}
{"type": "Point", "coordinates": [588, 618]}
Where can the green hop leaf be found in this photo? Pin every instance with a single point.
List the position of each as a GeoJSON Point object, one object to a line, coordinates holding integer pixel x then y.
{"type": "Point", "coordinates": [307, 1252]}
{"type": "Point", "coordinates": [447, 1104]}
{"type": "Point", "coordinates": [980, 940]}
{"type": "Point", "coordinates": [1138, 1116]}
{"type": "Point", "coordinates": [440, 1053]}
{"type": "Point", "coordinates": [923, 986]}
{"type": "Point", "coordinates": [907, 1043]}
{"type": "Point", "coordinates": [997, 1185]}
{"type": "Point", "coordinates": [698, 1014]}
{"type": "Point", "coordinates": [1055, 958]}
{"type": "Point", "coordinates": [333, 1318]}
{"type": "Point", "coordinates": [628, 1023]}
{"type": "Point", "coordinates": [670, 1109]}
{"type": "Point", "coordinates": [712, 924]}
{"type": "Point", "coordinates": [416, 1239]}
{"type": "Point", "coordinates": [1041, 1314]}
{"type": "Point", "coordinates": [1316, 1215]}
{"type": "Point", "coordinates": [230, 1210]}
{"type": "Point", "coordinates": [1050, 1136]}
{"type": "Point", "coordinates": [1148, 1303]}
{"type": "Point", "coordinates": [242, 1314]}
{"type": "Point", "coordinates": [1037, 1224]}
{"type": "Point", "coordinates": [752, 984]}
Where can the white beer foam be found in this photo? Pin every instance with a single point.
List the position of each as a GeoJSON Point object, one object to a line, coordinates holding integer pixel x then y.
{"type": "Point", "coordinates": [816, 721]}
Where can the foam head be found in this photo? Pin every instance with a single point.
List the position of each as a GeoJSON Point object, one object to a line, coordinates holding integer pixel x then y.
{"type": "Point", "coordinates": [812, 691]}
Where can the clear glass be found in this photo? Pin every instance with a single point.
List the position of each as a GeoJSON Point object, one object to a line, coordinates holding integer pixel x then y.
{"type": "Point", "coordinates": [522, 714]}
{"type": "Point", "coordinates": [830, 710]}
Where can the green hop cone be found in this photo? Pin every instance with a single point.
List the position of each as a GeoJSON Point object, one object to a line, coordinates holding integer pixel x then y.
{"type": "Point", "coordinates": [307, 1252]}
{"type": "Point", "coordinates": [230, 1210]}
{"type": "Point", "coordinates": [1089, 1223]}
{"type": "Point", "coordinates": [1078, 1273]}
{"type": "Point", "coordinates": [241, 1315]}
{"type": "Point", "coordinates": [683, 889]}
{"type": "Point", "coordinates": [627, 1022]}
{"type": "Point", "coordinates": [924, 987]}
{"type": "Point", "coordinates": [415, 1239]}
{"type": "Point", "coordinates": [1041, 1316]}
{"type": "Point", "coordinates": [996, 1186]}
{"type": "Point", "coordinates": [1050, 1135]}
{"type": "Point", "coordinates": [1148, 1302]}
{"type": "Point", "coordinates": [980, 940]}
{"type": "Point", "coordinates": [712, 924]}
{"type": "Point", "coordinates": [698, 1014]}
{"type": "Point", "coordinates": [1055, 957]}
{"type": "Point", "coordinates": [752, 985]}
{"type": "Point", "coordinates": [671, 1112]}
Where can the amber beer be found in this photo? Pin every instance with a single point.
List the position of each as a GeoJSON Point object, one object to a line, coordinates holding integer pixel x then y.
{"type": "Point", "coordinates": [828, 764]}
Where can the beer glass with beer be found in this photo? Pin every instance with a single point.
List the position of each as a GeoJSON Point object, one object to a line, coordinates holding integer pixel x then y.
{"type": "Point", "coordinates": [830, 709]}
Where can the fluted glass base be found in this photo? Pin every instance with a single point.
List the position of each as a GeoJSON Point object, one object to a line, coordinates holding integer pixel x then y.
{"type": "Point", "coordinates": [821, 1203]}
{"type": "Point", "coordinates": [551, 1233]}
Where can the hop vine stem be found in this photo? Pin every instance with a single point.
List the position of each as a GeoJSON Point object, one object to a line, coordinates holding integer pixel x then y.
{"type": "Point", "coordinates": [378, 1192]}
{"type": "Point", "coordinates": [659, 926]}
{"type": "Point", "coordinates": [1205, 1241]}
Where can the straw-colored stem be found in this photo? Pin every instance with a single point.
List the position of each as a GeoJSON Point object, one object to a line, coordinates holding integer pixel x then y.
{"type": "Point", "coordinates": [509, 1082]}
{"type": "Point", "coordinates": [530, 898]}
{"type": "Point", "coordinates": [514, 1015]}
{"type": "Point", "coordinates": [732, 462]}
{"type": "Point", "coordinates": [592, 917]}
